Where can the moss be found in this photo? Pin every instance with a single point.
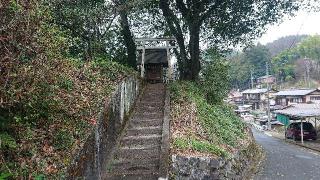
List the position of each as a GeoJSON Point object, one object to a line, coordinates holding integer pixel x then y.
{"type": "Point", "coordinates": [200, 146]}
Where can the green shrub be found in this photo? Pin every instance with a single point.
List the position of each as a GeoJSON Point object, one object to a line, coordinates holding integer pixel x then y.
{"type": "Point", "coordinates": [65, 83]}
{"type": "Point", "coordinates": [216, 80]}
{"type": "Point", "coordinates": [63, 140]}
{"type": "Point", "coordinates": [5, 175]}
{"type": "Point", "coordinates": [7, 142]}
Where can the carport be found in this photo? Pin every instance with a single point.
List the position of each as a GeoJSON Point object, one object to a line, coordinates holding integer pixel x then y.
{"type": "Point", "coordinates": [299, 112]}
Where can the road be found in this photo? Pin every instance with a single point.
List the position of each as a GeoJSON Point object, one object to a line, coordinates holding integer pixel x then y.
{"type": "Point", "coordinates": [286, 161]}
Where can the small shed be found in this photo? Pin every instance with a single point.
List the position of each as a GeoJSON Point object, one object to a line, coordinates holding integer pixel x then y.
{"type": "Point", "coordinates": [154, 60]}
{"type": "Point", "coordinates": [299, 112]}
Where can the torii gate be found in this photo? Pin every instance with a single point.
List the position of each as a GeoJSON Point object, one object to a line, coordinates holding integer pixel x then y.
{"type": "Point", "coordinates": [143, 46]}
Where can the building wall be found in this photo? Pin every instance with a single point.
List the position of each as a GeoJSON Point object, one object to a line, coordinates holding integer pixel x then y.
{"type": "Point", "coordinates": [313, 97]}
{"type": "Point", "coordinates": [254, 100]}
{"type": "Point", "coordinates": [287, 100]}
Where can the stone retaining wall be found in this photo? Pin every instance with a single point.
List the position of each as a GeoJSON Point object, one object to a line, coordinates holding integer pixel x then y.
{"type": "Point", "coordinates": [241, 165]}
{"type": "Point", "coordinates": [91, 162]}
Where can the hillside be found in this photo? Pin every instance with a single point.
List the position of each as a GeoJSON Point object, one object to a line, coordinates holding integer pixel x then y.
{"type": "Point", "coordinates": [284, 43]}
{"type": "Point", "coordinates": [293, 63]}
{"type": "Point", "coordinates": [49, 100]}
{"type": "Point", "coordinates": [200, 128]}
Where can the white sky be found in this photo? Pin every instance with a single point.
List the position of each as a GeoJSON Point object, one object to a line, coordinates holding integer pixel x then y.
{"type": "Point", "coordinates": [302, 23]}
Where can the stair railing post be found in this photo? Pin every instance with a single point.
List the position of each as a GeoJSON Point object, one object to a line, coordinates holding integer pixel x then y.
{"type": "Point", "coordinates": [169, 61]}
{"type": "Point", "coordinates": [142, 60]}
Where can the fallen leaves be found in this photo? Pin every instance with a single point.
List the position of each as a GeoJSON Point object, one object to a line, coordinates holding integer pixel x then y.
{"type": "Point", "coordinates": [47, 149]}
{"type": "Point", "coordinates": [75, 110]}
{"type": "Point", "coordinates": [51, 169]}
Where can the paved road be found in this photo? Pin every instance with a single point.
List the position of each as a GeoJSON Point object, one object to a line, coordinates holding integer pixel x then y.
{"type": "Point", "coordinates": [286, 161]}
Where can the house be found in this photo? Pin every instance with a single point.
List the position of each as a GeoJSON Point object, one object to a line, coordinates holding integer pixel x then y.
{"type": "Point", "coordinates": [257, 97]}
{"type": "Point", "coordinates": [314, 96]}
{"type": "Point", "coordinates": [266, 79]}
{"type": "Point", "coordinates": [296, 96]}
{"type": "Point", "coordinates": [235, 97]}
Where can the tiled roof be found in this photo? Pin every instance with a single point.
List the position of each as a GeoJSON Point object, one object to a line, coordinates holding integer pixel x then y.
{"type": "Point", "coordinates": [294, 92]}
{"type": "Point", "coordinates": [254, 91]}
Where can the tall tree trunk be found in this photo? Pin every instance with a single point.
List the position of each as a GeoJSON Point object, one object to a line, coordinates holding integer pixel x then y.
{"type": "Point", "coordinates": [174, 26]}
{"type": "Point", "coordinates": [127, 35]}
{"type": "Point", "coordinates": [194, 65]}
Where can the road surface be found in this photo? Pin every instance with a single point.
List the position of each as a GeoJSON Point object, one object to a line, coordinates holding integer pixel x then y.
{"type": "Point", "coordinates": [286, 161]}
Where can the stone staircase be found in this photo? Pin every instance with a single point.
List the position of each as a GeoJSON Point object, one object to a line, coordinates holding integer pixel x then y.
{"type": "Point", "coordinates": [138, 156]}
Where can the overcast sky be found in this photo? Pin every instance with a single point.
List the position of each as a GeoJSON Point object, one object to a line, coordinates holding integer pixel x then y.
{"type": "Point", "coordinates": [302, 23]}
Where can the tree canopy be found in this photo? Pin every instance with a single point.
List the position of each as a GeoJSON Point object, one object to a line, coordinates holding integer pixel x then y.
{"type": "Point", "coordinates": [218, 22]}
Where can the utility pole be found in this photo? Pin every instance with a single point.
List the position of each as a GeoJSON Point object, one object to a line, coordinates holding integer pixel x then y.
{"type": "Point", "coordinates": [268, 99]}
{"type": "Point", "coordinates": [251, 72]}
{"type": "Point", "coordinates": [307, 63]}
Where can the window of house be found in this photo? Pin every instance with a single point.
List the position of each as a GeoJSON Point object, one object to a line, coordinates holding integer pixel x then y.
{"type": "Point", "coordinates": [315, 98]}
{"type": "Point", "coordinates": [296, 100]}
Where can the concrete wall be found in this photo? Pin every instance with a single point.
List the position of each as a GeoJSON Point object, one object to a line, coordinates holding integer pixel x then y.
{"type": "Point", "coordinates": [91, 162]}
{"type": "Point", "coordinates": [241, 165]}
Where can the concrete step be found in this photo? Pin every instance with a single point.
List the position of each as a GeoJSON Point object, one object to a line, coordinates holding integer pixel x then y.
{"type": "Point", "coordinates": [141, 140]}
{"type": "Point", "coordinates": [149, 108]}
{"type": "Point", "coordinates": [140, 176]}
{"type": "Point", "coordinates": [125, 164]}
{"type": "Point", "coordinates": [135, 169]}
{"type": "Point", "coordinates": [138, 156]}
{"type": "Point", "coordinates": [138, 131]}
{"type": "Point", "coordinates": [154, 97]}
{"type": "Point", "coordinates": [145, 122]}
{"type": "Point", "coordinates": [150, 103]}
{"type": "Point", "coordinates": [147, 115]}
{"type": "Point", "coordinates": [138, 152]}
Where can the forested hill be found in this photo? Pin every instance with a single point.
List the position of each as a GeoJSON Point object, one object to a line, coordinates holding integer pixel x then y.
{"type": "Point", "coordinates": [284, 43]}
{"type": "Point", "coordinates": [293, 60]}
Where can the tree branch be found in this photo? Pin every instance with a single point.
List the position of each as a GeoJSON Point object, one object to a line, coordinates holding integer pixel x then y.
{"type": "Point", "coordinates": [210, 10]}
{"type": "Point", "coordinates": [183, 9]}
{"type": "Point", "coordinates": [175, 28]}
{"type": "Point", "coordinates": [172, 22]}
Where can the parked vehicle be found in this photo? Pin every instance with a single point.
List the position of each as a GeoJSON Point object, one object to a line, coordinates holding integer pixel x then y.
{"type": "Point", "coordinates": [245, 115]}
{"type": "Point", "coordinates": [294, 131]}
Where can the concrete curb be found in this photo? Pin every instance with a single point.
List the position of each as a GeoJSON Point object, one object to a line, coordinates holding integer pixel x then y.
{"type": "Point", "coordinates": [314, 149]}
{"type": "Point", "coordinates": [292, 142]}
{"type": "Point", "coordinates": [164, 153]}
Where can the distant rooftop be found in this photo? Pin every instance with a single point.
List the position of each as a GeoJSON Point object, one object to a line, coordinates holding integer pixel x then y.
{"type": "Point", "coordinates": [295, 92]}
{"type": "Point", "coordinates": [254, 91]}
{"type": "Point", "coordinates": [266, 76]}
{"type": "Point", "coordinates": [235, 94]}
